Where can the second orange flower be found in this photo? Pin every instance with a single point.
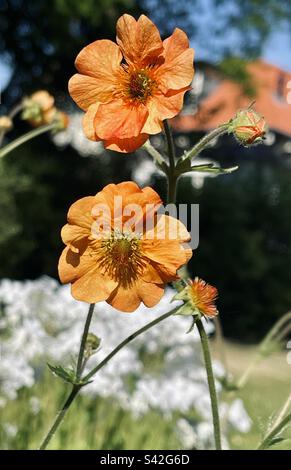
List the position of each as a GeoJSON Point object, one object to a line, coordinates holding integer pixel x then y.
{"type": "Point", "coordinates": [114, 256]}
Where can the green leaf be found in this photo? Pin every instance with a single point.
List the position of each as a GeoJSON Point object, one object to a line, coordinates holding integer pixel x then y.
{"type": "Point", "coordinates": [67, 375]}
{"type": "Point", "coordinates": [274, 435]}
{"type": "Point", "coordinates": [277, 440]}
{"type": "Point", "coordinates": [227, 384]}
{"type": "Point", "coordinates": [211, 168]}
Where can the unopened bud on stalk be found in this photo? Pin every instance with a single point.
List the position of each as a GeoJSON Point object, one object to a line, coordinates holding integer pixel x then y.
{"type": "Point", "coordinates": [38, 108]}
{"type": "Point", "coordinates": [248, 126]}
{"type": "Point", "coordinates": [92, 344]}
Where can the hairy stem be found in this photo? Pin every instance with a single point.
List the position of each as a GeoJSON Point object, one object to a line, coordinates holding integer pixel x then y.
{"type": "Point", "coordinates": [211, 384]}
{"type": "Point", "coordinates": [15, 110]}
{"type": "Point", "coordinates": [60, 417]}
{"type": "Point", "coordinates": [26, 137]}
{"type": "Point", "coordinates": [83, 342]}
{"type": "Point", "coordinates": [206, 141]}
{"type": "Point", "coordinates": [76, 388]}
{"type": "Point", "coordinates": [127, 341]}
{"type": "Point", "coordinates": [158, 158]}
{"type": "Point", "coordinates": [172, 178]}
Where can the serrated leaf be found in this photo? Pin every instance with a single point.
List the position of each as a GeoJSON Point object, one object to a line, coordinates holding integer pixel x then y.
{"type": "Point", "coordinates": [68, 375]}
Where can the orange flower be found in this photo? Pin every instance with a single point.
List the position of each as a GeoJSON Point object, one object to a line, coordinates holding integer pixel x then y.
{"type": "Point", "coordinates": [128, 89]}
{"type": "Point", "coordinates": [248, 126]}
{"type": "Point", "coordinates": [199, 299]}
{"type": "Point", "coordinates": [113, 256]}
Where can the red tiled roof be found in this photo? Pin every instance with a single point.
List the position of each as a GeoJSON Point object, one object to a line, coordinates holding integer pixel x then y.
{"type": "Point", "coordinates": [227, 98]}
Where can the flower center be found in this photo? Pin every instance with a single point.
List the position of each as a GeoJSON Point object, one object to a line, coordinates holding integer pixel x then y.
{"type": "Point", "coordinates": [121, 257]}
{"type": "Point", "coordinates": [140, 85]}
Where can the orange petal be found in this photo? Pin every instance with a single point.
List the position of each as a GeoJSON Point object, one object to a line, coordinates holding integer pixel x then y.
{"type": "Point", "coordinates": [72, 265]}
{"type": "Point", "coordinates": [188, 251]}
{"type": "Point", "coordinates": [149, 293]}
{"type": "Point", "coordinates": [152, 196]}
{"type": "Point", "coordinates": [88, 122]}
{"type": "Point", "coordinates": [126, 145]}
{"type": "Point", "coordinates": [177, 71]}
{"type": "Point", "coordinates": [99, 66]}
{"type": "Point", "coordinates": [125, 300]}
{"type": "Point", "coordinates": [93, 287]}
{"type": "Point", "coordinates": [163, 107]}
{"type": "Point", "coordinates": [84, 91]}
{"type": "Point", "coordinates": [80, 212]}
{"type": "Point", "coordinates": [175, 44]}
{"type": "Point", "coordinates": [76, 237]}
{"type": "Point", "coordinates": [116, 120]}
{"type": "Point", "coordinates": [168, 254]}
{"type": "Point", "coordinates": [140, 41]}
{"type": "Point", "coordinates": [101, 59]}
{"type": "Point", "coordinates": [167, 227]}
{"type": "Point", "coordinates": [152, 275]}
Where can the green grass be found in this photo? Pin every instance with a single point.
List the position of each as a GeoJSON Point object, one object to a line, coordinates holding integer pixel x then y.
{"type": "Point", "coordinates": [100, 424]}
{"type": "Point", "coordinates": [264, 394]}
{"type": "Point", "coordinates": [91, 423]}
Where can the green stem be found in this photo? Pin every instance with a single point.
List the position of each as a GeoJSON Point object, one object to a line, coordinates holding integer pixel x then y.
{"type": "Point", "coordinates": [60, 417]}
{"type": "Point", "coordinates": [272, 335]}
{"type": "Point", "coordinates": [76, 388]}
{"type": "Point", "coordinates": [24, 138]}
{"type": "Point", "coordinates": [206, 141]}
{"type": "Point", "coordinates": [83, 341]}
{"type": "Point", "coordinates": [128, 340]}
{"type": "Point", "coordinates": [211, 383]}
{"type": "Point", "coordinates": [158, 158]}
{"type": "Point", "coordinates": [275, 431]}
{"type": "Point", "coordinates": [15, 110]}
{"type": "Point", "coordinates": [171, 174]}
{"type": "Point", "coordinates": [245, 376]}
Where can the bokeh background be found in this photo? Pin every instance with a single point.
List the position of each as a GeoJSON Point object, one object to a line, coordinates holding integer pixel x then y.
{"type": "Point", "coordinates": [242, 55]}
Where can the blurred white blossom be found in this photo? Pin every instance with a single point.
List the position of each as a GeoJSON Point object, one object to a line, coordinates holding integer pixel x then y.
{"type": "Point", "coordinates": [74, 135]}
{"type": "Point", "coordinates": [41, 322]}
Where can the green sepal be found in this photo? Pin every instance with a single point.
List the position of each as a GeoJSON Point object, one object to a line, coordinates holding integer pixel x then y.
{"type": "Point", "coordinates": [181, 295]}
{"type": "Point", "coordinates": [186, 309]}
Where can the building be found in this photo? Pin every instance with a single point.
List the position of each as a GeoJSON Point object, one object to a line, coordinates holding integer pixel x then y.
{"type": "Point", "coordinates": [214, 99]}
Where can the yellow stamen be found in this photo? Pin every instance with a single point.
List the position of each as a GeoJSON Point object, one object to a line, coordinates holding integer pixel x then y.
{"type": "Point", "coordinates": [121, 257]}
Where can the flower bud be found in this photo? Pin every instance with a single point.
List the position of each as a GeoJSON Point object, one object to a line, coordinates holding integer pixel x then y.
{"type": "Point", "coordinates": [5, 123]}
{"type": "Point", "coordinates": [92, 344]}
{"type": "Point", "coordinates": [248, 126]}
{"type": "Point", "coordinates": [39, 108]}
{"type": "Point", "coordinates": [61, 120]}
{"type": "Point", "coordinates": [199, 299]}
